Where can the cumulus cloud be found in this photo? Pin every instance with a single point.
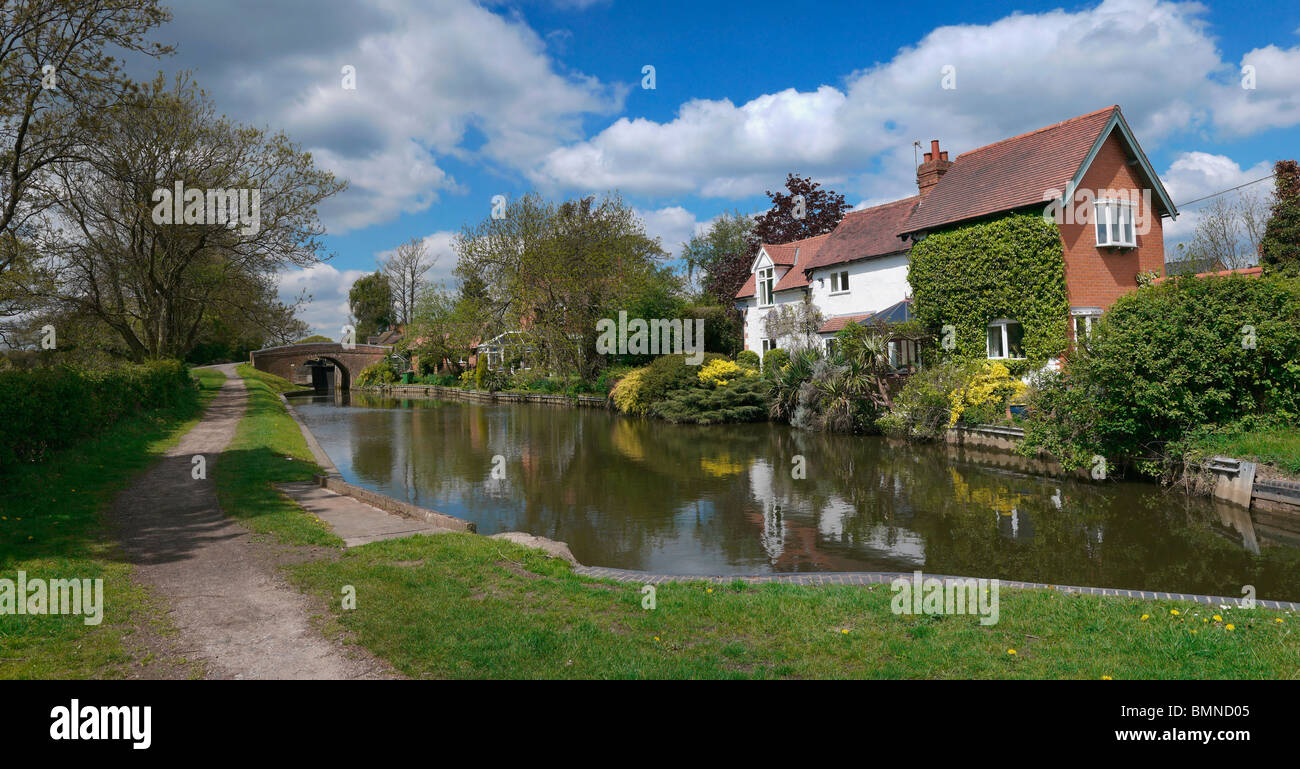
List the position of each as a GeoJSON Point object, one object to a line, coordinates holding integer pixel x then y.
{"type": "Point", "coordinates": [1193, 175]}
{"type": "Point", "coordinates": [326, 288]}
{"type": "Point", "coordinates": [1156, 59]}
{"type": "Point", "coordinates": [448, 79]}
{"type": "Point", "coordinates": [673, 226]}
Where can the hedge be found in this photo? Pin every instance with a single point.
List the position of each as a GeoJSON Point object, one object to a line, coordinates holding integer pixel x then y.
{"type": "Point", "coordinates": [45, 409]}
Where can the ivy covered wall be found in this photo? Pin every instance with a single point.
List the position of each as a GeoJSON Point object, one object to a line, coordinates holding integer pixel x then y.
{"type": "Point", "coordinates": [1009, 267]}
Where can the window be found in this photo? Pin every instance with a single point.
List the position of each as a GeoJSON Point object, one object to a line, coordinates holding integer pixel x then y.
{"type": "Point", "coordinates": [839, 282]}
{"type": "Point", "coordinates": [768, 344]}
{"type": "Point", "coordinates": [903, 353]}
{"type": "Point", "coordinates": [1006, 339]}
{"type": "Point", "coordinates": [1085, 319]}
{"type": "Point", "coordinates": [1114, 222]}
{"type": "Point", "coordinates": [765, 287]}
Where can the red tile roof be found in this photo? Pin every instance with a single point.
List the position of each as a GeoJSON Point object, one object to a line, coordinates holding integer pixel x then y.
{"type": "Point", "coordinates": [1011, 173]}
{"type": "Point", "coordinates": [866, 233]}
{"type": "Point", "coordinates": [1244, 271]}
{"type": "Point", "coordinates": [837, 324]}
{"type": "Point", "coordinates": [784, 255]}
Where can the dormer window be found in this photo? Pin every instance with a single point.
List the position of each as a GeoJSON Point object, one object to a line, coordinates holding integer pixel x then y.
{"type": "Point", "coordinates": [765, 284]}
{"type": "Point", "coordinates": [1114, 222]}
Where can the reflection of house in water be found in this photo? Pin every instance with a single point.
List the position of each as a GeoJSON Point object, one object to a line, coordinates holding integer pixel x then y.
{"type": "Point", "coordinates": [794, 532]}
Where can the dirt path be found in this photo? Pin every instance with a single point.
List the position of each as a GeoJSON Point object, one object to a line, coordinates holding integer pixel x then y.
{"type": "Point", "coordinates": [235, 614]}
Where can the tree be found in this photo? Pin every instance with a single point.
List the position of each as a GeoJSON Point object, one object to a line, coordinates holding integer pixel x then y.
{"type": "Point", "coordinates": [1228, 233]}
{"type": "Point", "coordinates": [371, 302]}
{"type": "Point", "coordinates": [405, 270]}
{"type": "Point", "coordinates": [726, 239]}
{"type": "Point", "coordinates": [58, 84]}
{"type": "Point", "coordinates": [805, 210]}
{"type": "Point", "coordinates": [798, 321]}
{"type": "Point", "coordinates": [1280, 249]}
{"type": "Point", "coordinates": [157, 271]}
{"type": "Point", "coordinates": [555, 270]}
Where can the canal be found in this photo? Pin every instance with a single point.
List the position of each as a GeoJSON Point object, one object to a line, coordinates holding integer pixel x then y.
{"type": "Point", "coordinates": [762, 498]}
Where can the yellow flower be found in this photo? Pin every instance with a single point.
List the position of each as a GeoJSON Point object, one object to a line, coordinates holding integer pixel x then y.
{"type": "Point", "coordinates": [1217, 618]}
{"type": "Point", "coordinates": [1230, 626]}
{"type": "Point", "coordinates": [656, 638]}
{"type": "Point", "coordinates": [1011, 651]}
{"type": "Point", "coordinates": [1174, 612]}
{"type": "Point", "coordinates": [1145, 616]}
{"type": "Point", "coordinates": [1107, 678]}
{"type": "Point", "coordinates": [708, 590]}
{"type": "Point", "coordinates": [845, 631]}
{"type": "Point", "coordinates": [1277, 619]}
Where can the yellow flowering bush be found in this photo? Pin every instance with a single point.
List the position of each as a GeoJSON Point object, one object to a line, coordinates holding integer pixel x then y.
{"type": "Point", "coordinates": [992, 387]}
{"type": "Point", "coordinates": [720, 371]}
{"type": "Point", "coordinates": [627, 393]}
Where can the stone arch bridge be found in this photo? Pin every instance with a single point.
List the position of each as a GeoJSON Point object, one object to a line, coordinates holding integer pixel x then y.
{"type": "Point", "coordinates": [320, 365]}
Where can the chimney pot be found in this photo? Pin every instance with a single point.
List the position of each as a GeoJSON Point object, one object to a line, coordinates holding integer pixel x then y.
{"type": "Point", "coordinates": [934, 147]}
{"type": "Point", "coordinates": [928, 157]}
{"type": "Point", "coordinates": [936, 165]}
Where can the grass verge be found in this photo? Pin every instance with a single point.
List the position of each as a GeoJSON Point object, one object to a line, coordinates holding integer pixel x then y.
{"type": "Point", "coordinates": [51, 528]}
{"type": "Point", "coordinates": [1276, 445]}
{"type": "Point", "coordinates": [465, 606]}
{"type": "Point", "coordinates": [268, 448]}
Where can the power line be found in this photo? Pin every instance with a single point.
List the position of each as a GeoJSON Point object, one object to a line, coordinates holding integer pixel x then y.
{"type": "Point", "coordinates": [1224, 192]}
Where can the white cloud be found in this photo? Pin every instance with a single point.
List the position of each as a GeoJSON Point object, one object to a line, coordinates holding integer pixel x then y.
{"type": "Point", "coordinates": [1194, 175]}
{"type": "Point", "coordinates": [440, 246]}
{"type": "Point", "coordinates": [1157, 60]}
{"type": "Point", "coordinates": [327, 311]}
{"type": "Point", "coordinates": [673, 226]}
{"type": "Point", "coordinates": [1274, 102]}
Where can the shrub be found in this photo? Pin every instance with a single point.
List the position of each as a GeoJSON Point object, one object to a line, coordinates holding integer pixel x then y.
{"type": "Point", "coordinates": [45, 409]}
{"type": "Point", "coordinates": [480, 371]}
{"type": "Point", "coordinates": [720, 371]}
{"type": "Point", "coordinates": [605, 382]}
{"type": "Point", "coordinates": [740, 400]}
{"type": "Point", "coordinates": [984, 397]}
{"type": "Point", "coordinates": [923, 410]}
{"type": "Point", "coordinates": [627, 393]}
{"type": "Point", "coordinates": [466, 380]}
{"type": "Point", "coordinates": [1183, 355]}
{"type": "Point", "coordinates": [748, 359]}
{"type": "Point", "coordinates": [668, 373]}
{"type": "Point", "coordinates": [377, 374]}
{"type": "Point", "coordinates": [774, 359]}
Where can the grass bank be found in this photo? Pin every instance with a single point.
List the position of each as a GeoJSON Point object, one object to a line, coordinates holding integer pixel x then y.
{"type": "Point", "coordinates": [465, 606]}
{"type": "Point", "coordinates": [51, 528]}
{"type": "Point", "coordinates": [1276, 445]}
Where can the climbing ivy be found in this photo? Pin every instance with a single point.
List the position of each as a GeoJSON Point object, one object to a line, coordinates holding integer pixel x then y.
{"type": "Point", "coordinates": [1009, 267]}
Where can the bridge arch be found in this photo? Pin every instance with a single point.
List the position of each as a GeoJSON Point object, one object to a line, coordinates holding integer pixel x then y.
{"type": "Point", "coordinates": [302, 363]}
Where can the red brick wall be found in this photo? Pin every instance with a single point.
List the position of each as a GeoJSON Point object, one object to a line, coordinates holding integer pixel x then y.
{"type": "Point", "coordinates": [1096, 277]}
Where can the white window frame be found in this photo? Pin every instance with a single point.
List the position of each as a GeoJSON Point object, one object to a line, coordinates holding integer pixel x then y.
{"type": "Point", "coordinates": [1002, 324]}
{"type": "Point", "coordinates": [767, 345]}
{"type": "Point", "coordinates": [1090, 316]}
{"type": "Point", "coordinates": [839, 282]}
{"type": "Point", "coordinates": [766, 282]}
{"type": "Point", "coordinates": [1108, 217]}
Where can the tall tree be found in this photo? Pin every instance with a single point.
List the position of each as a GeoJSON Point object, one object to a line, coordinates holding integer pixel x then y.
{"type": "Point", "coordinates": [804, 210]}
{"type": "Point", "coordinates": [1228, 233]}
{"type": "Point", "coordinates": [57, 85]}
{"type": "Point", "coordinates": [371, 302]}
{"type": "Point", "coordinates": [726, 237]}
{"type": "Point", "coordinates": [124, 256]}
{"type": "Point", "coordinates": [405, 270]}
{"type": "Point", "coordinates": [1280, 249]}
{"type": "Point", "coordinates": [555, 270]}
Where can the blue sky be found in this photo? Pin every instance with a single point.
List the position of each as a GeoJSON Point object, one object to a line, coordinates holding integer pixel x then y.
{"type": "Point", "coordinates": [458, 101]}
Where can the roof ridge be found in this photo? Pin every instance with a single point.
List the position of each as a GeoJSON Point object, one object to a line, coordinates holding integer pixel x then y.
{"type": "Point", "coordinates": [880, 205]}
{"type": "Point", "coordinates": [1094, 113]}
{"type": "Point", "coordinates": [796, 242]}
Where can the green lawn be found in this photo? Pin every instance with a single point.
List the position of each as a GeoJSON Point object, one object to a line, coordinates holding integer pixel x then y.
{"type": "Point", "coordinates": [50, 527]}
{"type": "Point", "coordinates": [465, 606]}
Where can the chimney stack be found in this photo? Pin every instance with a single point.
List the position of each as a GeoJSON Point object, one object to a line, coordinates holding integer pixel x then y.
{"type": "Point", "coordinates": [936, 165]}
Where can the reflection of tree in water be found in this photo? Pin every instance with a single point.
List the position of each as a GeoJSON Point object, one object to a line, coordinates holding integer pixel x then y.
{"type": "Point", "coordinates": [645, 494]}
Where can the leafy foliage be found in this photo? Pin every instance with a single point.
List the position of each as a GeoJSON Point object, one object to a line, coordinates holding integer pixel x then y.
{"type": "Point", "coordinates": [1172, 358]}
{"type": "Point", "coordinates": [1009, 267]}
{"type": "Point", "coordinates": [377, 374]}
{"type": "Point", "coordinates": [937, 397]}
{"type": "Point", "coordinates": [1280, 247]}
{"type": "Point", "coordinates": [720, 371]}
{"type": "Point", "coordinates": [744, 399]}
{"type": "Point", "coordinates": [774, 359]}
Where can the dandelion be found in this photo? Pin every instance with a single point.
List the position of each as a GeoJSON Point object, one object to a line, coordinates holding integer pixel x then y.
{"type": "Point", "coordinates": [1011, 651]}
{"type": "Point", "coordinates": [1278, 619]}
{"type": "Point", "coordinates": [656, 638]}
{"type": "Point", "coordinates": [1217, 618]}
{"type": "Point", "coordinates": [1107, 678]}
{"type": "Point", "coordinates": [708, 590]}
{"type": "Point", "coordinates": [1230, 626]}
{"type": "Point", "coordinates": [845, 631]}
{"type": "Point", "coordinates": [1174, 612]}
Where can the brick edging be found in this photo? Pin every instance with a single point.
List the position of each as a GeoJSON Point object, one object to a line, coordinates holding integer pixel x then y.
{"type": "Point", "coordinates": [885, 577]}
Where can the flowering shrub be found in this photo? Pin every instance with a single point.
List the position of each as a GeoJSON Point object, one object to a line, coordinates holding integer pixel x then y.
{"type": "Point", "coordinates": [985, 395]}
{"type": "Point", "coordinates": [721, 371]}
{"type": "Point", "coordinates": [627, 393]}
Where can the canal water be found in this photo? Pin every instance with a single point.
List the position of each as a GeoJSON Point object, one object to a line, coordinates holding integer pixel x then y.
{"type": "Point", "coordinates": [687, 499]}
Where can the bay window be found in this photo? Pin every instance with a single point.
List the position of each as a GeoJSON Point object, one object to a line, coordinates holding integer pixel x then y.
{"type": "Point", "coordinates": [1114, 223]}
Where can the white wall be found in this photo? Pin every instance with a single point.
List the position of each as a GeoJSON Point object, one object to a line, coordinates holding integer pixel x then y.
{"type": "Point", "coordinates": [874, 284]}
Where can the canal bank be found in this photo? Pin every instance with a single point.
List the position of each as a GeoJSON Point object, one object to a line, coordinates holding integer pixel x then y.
{"type": "Point", "coordinates": [1006, 490]}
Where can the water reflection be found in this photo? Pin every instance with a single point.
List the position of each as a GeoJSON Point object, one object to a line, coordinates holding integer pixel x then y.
{"type": "Point", "coordinates": [722, 500]}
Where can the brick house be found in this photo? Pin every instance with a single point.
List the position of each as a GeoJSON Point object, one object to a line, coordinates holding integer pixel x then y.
{"type": "Point", "coordinates": [1111, 207]}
